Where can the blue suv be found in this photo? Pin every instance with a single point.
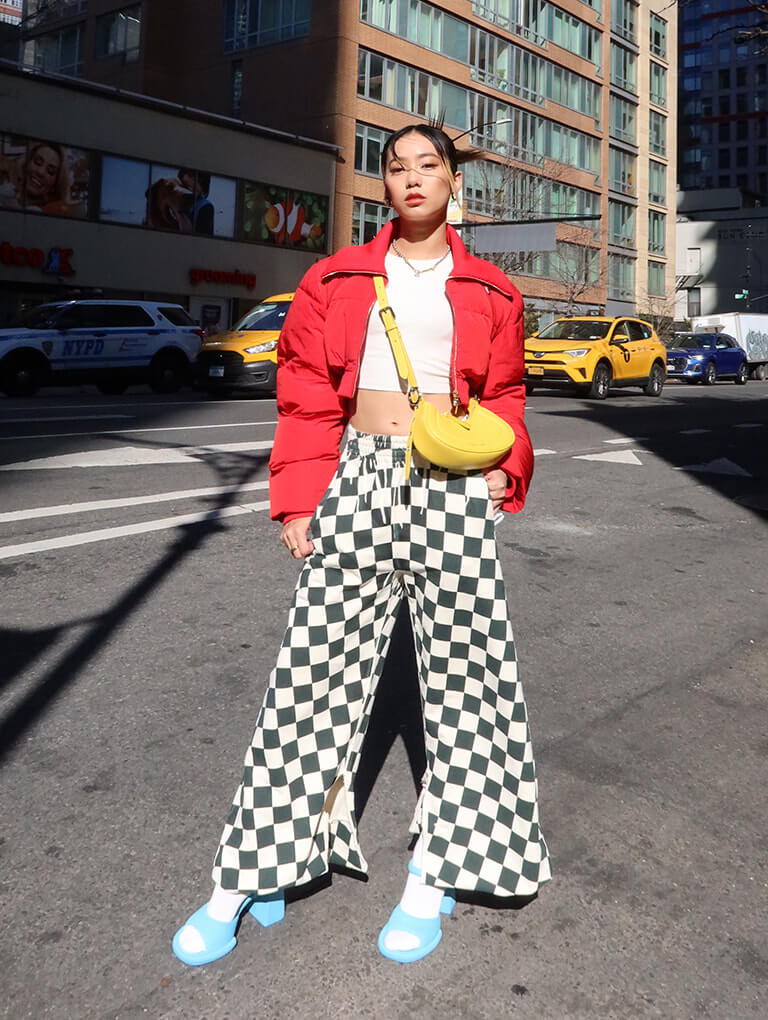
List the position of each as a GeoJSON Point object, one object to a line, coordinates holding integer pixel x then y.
{"type": "Point", "coordinates": [706, 357]}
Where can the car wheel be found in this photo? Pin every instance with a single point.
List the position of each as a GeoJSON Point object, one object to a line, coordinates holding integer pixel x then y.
{"type": "Point", "coordinates": [601, 381]}
{"type": "Point", "coordinates": [759, 372]}
{"type": "Point", "coordinates": [742, 375]}
{"type": "Point", "coordinates": [710, 374]}
{"type": "Point", "coordinates": [21, 375]}
{"type": "Point", "coordinates": [655, 383]}
{"type": "Point", "coordinates": [111, 387]}
{"type": "Point", "coordinates": [529, 387]}
{"type": "Point", "coordinates": [167, 372]}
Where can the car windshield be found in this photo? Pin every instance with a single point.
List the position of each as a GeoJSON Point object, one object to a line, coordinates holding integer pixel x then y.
{"type": "Point", "coordinates": [581, 329]}
{"type": "Point", "coordinates": [688, 341]}
{"type": "Point", "coordinates": [270, 315]}
{"type": "Point", "coordinates": [37, 318]}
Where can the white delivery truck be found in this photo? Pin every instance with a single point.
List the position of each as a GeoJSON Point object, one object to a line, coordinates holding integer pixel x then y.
{"type": "Point", "coordinates": [750, 331]}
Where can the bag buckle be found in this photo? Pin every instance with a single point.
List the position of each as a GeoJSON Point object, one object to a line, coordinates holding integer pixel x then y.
{"type": "Point", "coordinates": [413, 400]}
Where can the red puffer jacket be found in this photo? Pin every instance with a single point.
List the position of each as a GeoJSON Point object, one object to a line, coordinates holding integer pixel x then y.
{"type": "Point", "coordinates": [319, 354]}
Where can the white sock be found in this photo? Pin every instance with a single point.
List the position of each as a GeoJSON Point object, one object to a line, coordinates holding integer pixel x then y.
{"type": "Point", "coordinates": [222, 906]}
{"type": "Point", "coordinates": [418, 900]}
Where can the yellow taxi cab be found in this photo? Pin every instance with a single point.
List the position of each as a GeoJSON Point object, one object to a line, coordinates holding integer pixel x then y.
{"type": "Point", "coordinates": [245, 357]}
{"type": "Point", "coordinates": [596, 353]}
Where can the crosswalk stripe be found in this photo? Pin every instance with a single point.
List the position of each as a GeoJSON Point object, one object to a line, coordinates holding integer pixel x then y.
{"type": "Point", "coordinates": [64, 509]}
{"type": "Point", "coordinates": [134, 456]}
{"type": "Point", "coordinates": [104, 534]}
{"type": "Point", "coordinates": [130, 432]}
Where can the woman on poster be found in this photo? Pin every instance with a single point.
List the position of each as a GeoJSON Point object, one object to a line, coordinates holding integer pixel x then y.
{"type": "Point", "coordinates": [370, 535]}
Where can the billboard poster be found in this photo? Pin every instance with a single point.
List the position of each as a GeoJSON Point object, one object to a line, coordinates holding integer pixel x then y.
{"type": "Point", "coordinates": [124, 184]}
{"type": "Point", "coordinates": [191, 201]}
{"type": "Point", "coordinates": [41, 176]}
{"type": "Point", "coordinates": [296, 219]}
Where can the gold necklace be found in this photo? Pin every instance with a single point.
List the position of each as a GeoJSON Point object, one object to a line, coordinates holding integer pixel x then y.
{"type": "Point", "coordinates": [414, 270]}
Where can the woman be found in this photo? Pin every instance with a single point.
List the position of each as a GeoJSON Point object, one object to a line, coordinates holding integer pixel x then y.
{"type": "Point", "coordinates": [370, 536]}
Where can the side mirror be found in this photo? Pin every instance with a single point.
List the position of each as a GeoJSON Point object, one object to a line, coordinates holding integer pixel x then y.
{"type": "Point", "coordinates": [620, 338]}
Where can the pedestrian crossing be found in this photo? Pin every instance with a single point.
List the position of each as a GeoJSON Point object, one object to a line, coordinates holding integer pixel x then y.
{"type": "Point", "coordinates": [126, 466]}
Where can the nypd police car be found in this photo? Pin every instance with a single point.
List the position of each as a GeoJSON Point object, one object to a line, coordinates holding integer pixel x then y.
{"type": "Point", "coordinates": [111, 343]}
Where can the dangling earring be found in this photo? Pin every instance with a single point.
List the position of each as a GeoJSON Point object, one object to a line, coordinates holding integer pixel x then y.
{"type": "Point", "coordinates": [387, 200]}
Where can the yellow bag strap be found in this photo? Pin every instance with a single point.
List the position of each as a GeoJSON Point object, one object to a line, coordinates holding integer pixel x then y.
{"type": "Point", "coordinates": [403, 362]}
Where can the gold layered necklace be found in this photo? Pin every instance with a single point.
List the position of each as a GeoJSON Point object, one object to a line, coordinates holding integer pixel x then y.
{"type": "Point", "coordinates": [414, 270]}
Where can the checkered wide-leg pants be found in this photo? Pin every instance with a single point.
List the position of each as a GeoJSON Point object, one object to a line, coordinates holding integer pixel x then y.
{"type": "Point", "coordinates": [377, 540]}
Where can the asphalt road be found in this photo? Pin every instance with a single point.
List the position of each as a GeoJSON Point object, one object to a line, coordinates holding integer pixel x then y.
{"type": "Point", "coordinates": [143, 598]}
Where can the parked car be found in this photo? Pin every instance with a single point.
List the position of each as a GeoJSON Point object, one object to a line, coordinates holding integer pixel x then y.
{"type": "Point", "coordinates": [245, 357]}
{"type": "Point", "coordinates": [595, 353]}
{"type": "Point", "coordinates": [111, 343]}
{"type": "Point", "coordinates": [706, 357]}
{"type": "Point", "coordinates": [749, 330]}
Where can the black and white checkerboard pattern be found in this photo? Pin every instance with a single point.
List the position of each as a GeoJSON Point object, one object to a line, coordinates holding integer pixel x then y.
{"type": "Point", "coordinates": [378, 540]}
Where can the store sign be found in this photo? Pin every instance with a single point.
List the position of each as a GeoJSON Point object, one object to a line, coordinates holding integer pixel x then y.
{"type": "Point", "coordinates": [236, 279]}
{"type": "Point", "coordinates": [56, 262]}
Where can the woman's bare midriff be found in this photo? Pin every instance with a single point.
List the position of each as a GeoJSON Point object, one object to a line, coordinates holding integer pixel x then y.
{"type": "Point", "coordinates": [382, 413]}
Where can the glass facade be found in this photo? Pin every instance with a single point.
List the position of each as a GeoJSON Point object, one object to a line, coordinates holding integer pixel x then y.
{"type": "Point", "coordinates": [501, 128]}
{"type": "Point", "coordinates": [250, 23]}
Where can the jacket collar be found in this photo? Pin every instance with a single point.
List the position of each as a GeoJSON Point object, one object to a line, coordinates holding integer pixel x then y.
{"type": "Point", "coordinates": [369, 259]}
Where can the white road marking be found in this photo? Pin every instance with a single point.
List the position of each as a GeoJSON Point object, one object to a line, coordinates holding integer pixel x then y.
{"type": "Point", "coordinates": [543, 453]}
{"type": "Point", "coordinates": [131, 432]}
{"type": "Point", "coordinates": [720, 466]}
{"type": "Point", "coordinates": [619, 457]}
{"type": "Point", "coordinates": [104, 534]}
{"type": "Point", "coordinates": [42, 420]}
{"type": "Point", "coordinates": [624, 439]}
{"type": "Point", "coordinates": [36, 513]}
{"type": "Point", "coordinates": [694, 432]}
{"type": "Point", "coordinates": [749, 425]}
{"type": "Point", "coordinates": [134, 456]}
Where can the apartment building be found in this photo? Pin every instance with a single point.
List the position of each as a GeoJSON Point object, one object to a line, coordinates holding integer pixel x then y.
{"type": "Point", "coordinates": [569, 102]}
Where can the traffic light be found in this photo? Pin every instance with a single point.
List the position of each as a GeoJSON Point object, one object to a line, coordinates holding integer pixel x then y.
{"type": "Point", "coordinates": [741, 295]}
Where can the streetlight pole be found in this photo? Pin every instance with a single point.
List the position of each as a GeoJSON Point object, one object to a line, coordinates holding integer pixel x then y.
{"type": "Point", "coordinates": [748, 273]}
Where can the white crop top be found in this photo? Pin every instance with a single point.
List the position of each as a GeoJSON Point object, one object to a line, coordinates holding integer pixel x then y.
{"type": "Point", "coordinates": [425, 321]}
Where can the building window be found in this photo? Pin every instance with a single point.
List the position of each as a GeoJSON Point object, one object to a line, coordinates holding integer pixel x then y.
{"type": "Point", "coordinates": [367, 220]}
{"type": "Point", "coordinates": [56, 52]}
{"type": "Point", "coordinates": [262, 22]}
{"type": "Point", "coordinates": [657, 182]}
{"type": "Point", "coordinates": [119, 32]}
{"type": "Point", "coordinates": [723, 105]}
{"type": "Point", "coordinates": [724, 159]}
{"type": "Point", "coordinates": [621, 277]}
{"type": "Point", "coordinates": [501, 191]}
{"type": "Point", "coordinates": [237, 87]}
{"type": "Point", "coordinates": [658, 36]}
{"type": "Point", "coordinates": [622, 171]}
{"type": "Point", "coordinates": [369, 142]}
{"type": "Point", "coordinates": [421, 23]}
{"type": "Point", "coordinates": [724, 131]}
{"type": "Point", "coordinates": [694, 302]}
{"type": "Point", "coordinates": [502, 128]}
{"type": "Point", "coordinates": [656, 273]}
{"type": "Point", "coordinates": [624, 19]}
{"type": "Point", "coordinates": [623, 68]}
{"type": "Point", "coordinates": [621, 223]}
{"type": "Point", "coordinates": [658, 84]}
{"type": "Point", "coordinates": [539, 21]}
{"type": "Point", "coordinates": [658, 133]}
{"type": "Point", "coordinates": [657, 232]}
{"type": "Point", "coordinates": [724, 78]}
{"type": "Point", "coordinates": [623, 119]}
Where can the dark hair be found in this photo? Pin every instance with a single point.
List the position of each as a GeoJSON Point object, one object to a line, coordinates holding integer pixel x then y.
{"type": "Point", "coordinates": [203, 178]}
{"type": "Point", "coordinates": [445, 148]}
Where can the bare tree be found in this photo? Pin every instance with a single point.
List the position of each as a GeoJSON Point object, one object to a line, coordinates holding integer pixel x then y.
{"type": "Point", "coordinates": [508, 191]}
{"type": "Point", "coordinates": [660, 313]}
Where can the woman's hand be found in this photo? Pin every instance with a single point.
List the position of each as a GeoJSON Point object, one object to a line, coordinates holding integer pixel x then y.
{"type": "Point", "coordinates": [497, 486]}
{"type": "Point", "coordinates": [294, 537]}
